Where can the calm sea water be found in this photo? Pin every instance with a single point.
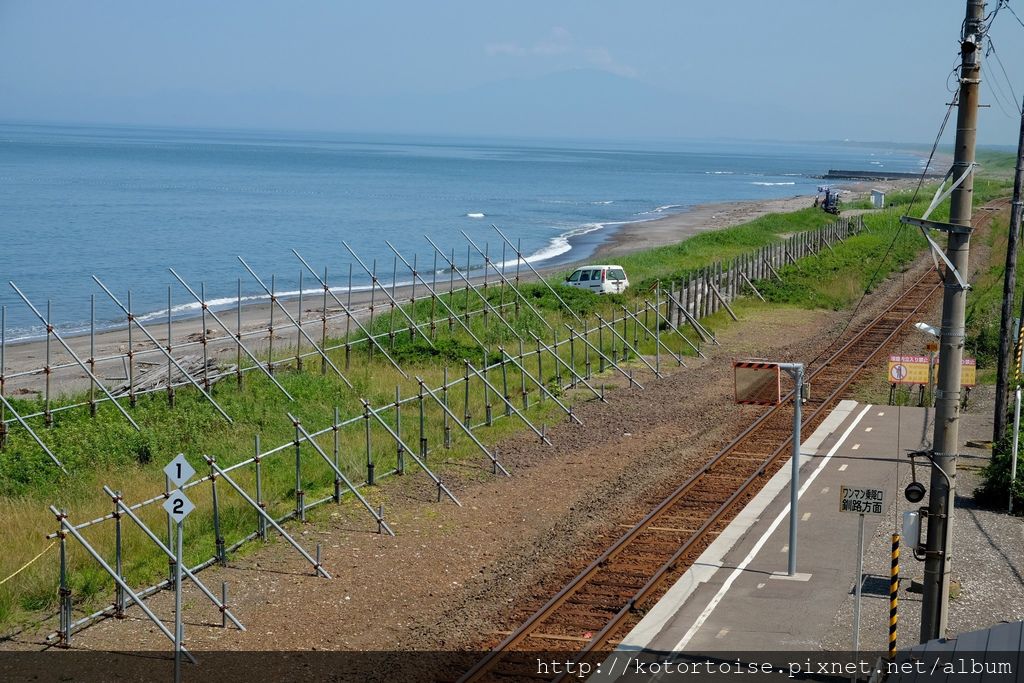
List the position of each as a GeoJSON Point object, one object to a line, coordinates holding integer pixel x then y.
{"type": "Point", "coordinates": [125, 204]}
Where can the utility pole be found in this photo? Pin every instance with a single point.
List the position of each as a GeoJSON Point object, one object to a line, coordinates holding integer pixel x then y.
{"type": "Point", "coordinates": [1009, 291]}
{"type": "Point", "coordinates": [946, 439]}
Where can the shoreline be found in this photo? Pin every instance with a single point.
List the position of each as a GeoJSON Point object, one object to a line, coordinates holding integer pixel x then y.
{"type": "Point", "coordinates": [625, 238]}
{"type": "Point", "coordinates": [637, 236]}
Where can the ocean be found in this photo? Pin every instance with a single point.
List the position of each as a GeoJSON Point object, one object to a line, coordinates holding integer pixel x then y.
{"type": "Point", "coordinates": [125, 204]}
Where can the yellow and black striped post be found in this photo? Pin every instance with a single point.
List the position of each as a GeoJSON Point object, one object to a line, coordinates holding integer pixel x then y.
{"type": "Point", "coordinates": [894, 594]}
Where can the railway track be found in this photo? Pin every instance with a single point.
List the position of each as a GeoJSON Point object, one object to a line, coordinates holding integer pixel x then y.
{"type": "Point", "coordinates": [610, 595]}
{"type": "Point", "coordinates": [601, 601]}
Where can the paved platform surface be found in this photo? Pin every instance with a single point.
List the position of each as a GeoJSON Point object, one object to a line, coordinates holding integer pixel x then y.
{"type": "Point", "coordinates": [737, 597]}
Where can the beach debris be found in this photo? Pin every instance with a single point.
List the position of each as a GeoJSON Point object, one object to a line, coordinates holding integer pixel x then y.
{"type": "Point", "coordinates": [155, 376]}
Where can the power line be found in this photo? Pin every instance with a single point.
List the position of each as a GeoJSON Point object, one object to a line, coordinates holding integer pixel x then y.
{"type": "Point", "coordinates": [899, 231]}
{"type": "Point", "coordinates": [1009, 83]}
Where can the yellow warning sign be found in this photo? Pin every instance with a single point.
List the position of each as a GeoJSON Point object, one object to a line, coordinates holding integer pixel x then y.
{"type": "Point", "coordinates": [914, 370]}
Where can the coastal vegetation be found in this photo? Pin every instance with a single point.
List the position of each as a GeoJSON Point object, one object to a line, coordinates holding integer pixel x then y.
{"type": "Point", "coordinates": [106, 450]}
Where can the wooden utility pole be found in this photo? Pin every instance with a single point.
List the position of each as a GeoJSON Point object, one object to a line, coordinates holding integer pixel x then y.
{"type": "Point", "coordinates": [1009, 292]}
{"type": "Point", "coordinates": [946, 439]}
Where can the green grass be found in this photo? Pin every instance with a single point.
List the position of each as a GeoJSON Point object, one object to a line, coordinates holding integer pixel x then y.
{"type": "Point", "coordinates": [106, 450]}
{"type": "Point", "coordinates": [996, 163]}
{"type": "Point", "coordinates": [678, 260]}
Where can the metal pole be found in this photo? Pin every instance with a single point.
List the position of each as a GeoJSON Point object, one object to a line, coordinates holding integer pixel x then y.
{"type": "Point", "coordinates": [894, 594]}
{"type": "Point", "coordinates": [323, 324]}
{"type": "Point", "coordinates": [118, 559]}
{"type": "Point", "coordinates": [64, 590]}
{"type": "Point", "coordinates": [300, 501]}
{"type": "Point", "coordinates": [298, 327]}
{"type": "Point", "coordinates": [1016, 440]}
{"type": "Point", "coordinates": [946, 439]}
{"type": "Point", "coordinates": [857, 587]}
{"type": "Point", "coordinates": [796, 371]}
{"type": "Point", "coordinates": [1009, 291]}
{"type": "Point", "coordinates": [218, 539]}
{"type": "Point", "coordinates": [337, 455]}
{"type": "Point", "coordinates": [202, 340]}
{"type": "Point", "coordinates": [400, 455]}
{"type": "Point", "coordinates": [170, 335]}
{"type": "Point", "coordinates": [179, 634]}
{"type": "Point", "coordinates": [238, 334]}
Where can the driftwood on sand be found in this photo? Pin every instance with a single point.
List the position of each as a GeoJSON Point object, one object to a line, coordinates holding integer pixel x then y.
{"type": "Point", "coordinates": [155, 375]}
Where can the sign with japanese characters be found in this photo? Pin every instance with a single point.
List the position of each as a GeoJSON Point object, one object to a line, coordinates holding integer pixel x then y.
{"type": "Point", "coordinates": [914, 370]}
{"type": "Point", "coordinates": [861, 500]}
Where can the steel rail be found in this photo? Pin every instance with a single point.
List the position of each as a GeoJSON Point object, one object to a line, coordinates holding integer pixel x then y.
{"type": "Point", "coordinates": [494, 657]}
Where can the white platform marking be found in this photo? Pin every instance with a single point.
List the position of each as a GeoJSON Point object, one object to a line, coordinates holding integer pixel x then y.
{"type": "Point", "coordinates": [842, 468]}
{"type": "Point", "coordinates": [764, 539]}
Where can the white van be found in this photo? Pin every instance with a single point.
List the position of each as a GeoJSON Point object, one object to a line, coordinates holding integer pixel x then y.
{"type": "Point", "coordinates": [599, 279]}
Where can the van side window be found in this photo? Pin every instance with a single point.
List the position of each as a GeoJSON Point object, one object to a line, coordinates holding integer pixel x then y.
{"type": "Point", "coordinates": [595, 275]}
{"type": "Point", "coordinates": [584, 276]}
{"type": "Point", "coordinates": [575, 276]}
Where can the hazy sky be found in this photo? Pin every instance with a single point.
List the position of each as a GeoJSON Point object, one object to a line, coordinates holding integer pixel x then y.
{"type": "Point", "coordinates": [868, 70]}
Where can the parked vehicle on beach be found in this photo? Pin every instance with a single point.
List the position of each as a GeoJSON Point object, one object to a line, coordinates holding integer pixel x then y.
{"type": "Point", "coordinates": [600, 279]}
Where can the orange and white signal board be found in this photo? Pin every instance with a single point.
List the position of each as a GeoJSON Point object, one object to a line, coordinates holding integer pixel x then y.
{"type": "Point", "coordinates": [914, 370]}
{"type": "Point", "coordinates": [757, 382]}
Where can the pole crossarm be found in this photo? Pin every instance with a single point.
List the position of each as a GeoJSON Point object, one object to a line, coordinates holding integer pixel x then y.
{"type": "Point", "coordinates": [237, 336]}
{"type": "Point", "coordinates": [190, 378]}
{"type": "Point", "coordinates": [81, 363]}
{"type": "Point", "coordinates": [381, 524]}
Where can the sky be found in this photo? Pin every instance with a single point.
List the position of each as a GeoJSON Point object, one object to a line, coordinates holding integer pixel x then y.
{"type": "Point", "coordinates": [874, 70]}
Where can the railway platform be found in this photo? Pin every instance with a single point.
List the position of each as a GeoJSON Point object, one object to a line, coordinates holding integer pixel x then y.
{"type": "Point", "coordinates": [738, 598]}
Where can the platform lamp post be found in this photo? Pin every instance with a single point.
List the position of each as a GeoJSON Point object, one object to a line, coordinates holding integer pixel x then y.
{"type": "Point", "coordinates": [933, 347]}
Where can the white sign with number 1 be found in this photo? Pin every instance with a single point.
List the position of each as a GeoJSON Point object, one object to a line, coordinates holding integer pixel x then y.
{"type": "Point", "coordinates": [179, 471]}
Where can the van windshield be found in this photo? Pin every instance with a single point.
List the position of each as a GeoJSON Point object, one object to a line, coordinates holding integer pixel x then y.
{"type": "Point", "coordinates": [616, 274]}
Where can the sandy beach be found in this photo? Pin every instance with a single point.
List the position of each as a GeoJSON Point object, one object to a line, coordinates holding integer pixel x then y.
{"type": "Point", "coordinates": [627, 238]}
